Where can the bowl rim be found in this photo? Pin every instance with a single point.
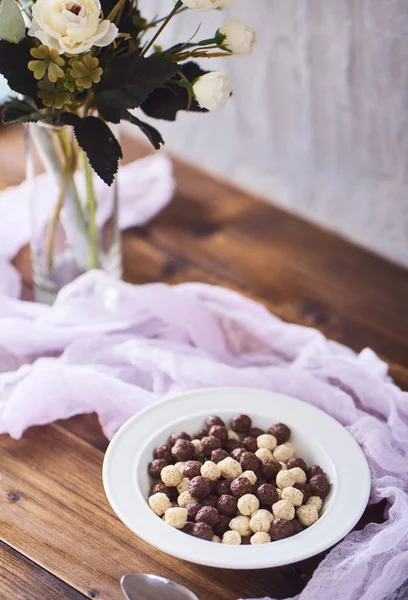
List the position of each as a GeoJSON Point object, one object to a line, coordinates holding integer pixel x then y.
{"type": "Point", "coordinates": [350, 497]}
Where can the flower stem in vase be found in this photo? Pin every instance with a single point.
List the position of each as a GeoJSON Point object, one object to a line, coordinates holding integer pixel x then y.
{"type": "Point", "coordinates": [93, 257]}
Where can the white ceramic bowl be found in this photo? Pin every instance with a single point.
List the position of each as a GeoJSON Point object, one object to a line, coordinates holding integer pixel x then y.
{"type": "Point", "coordinates": [318, 438]}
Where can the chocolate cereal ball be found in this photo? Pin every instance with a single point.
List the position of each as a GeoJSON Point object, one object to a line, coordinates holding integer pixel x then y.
{"type": "Point", "coordinates": [281, 529]}
{"type": "Point", "coordinates": [255, 432]}
{"type": "Point", "coordinates": [214, 420]}
{"type": "Point", "coordinates": [267, 494]}
{"type": "Point", "coordinates": [200, 487]}
{"type": "Point", "coordinates": [280, 431]}
{"type": "Point", "coordinates": [192, 510]}
{"type": "Point", "coordinates": [163, 451]}
{"type": "Point", "coordinates": [188, 527]}
{"type": "Point", "coordinates": [241, 423]}
{"type": "Point", "coordinates": [183, 450]}
{"type": "Point", "coordinates": [202, 433]}
{"type": "Point", "coordinates": [208, 444]}
{"type": "Point", "coordinates": [232, 444]}
{"type": "Point", "coordinates": [314, 470]}
{"type": "Point", "coordinates": [227, 505]}
{"type": "Point", "coordinates": [250, 444]}
{"type": "Point", "coordinates": [218, 455]}
{"type": "Point", "coordinates": [156, 466]}
{"type": "Point", "coordinates": [270, 468]}
{"type": "Point", "coordinates": [219, 432]}
{"type": "Point", "coordinates": [222, 525]}
{"type": "Point", "coordinates": [202, 531]}
{"type": "Point", "coordinates": [179, 435]}
{"type": "Point", "coordinates": [304, 488]}
{"type": "Point", "coordinates": [211, 500]}
{"type": "Point", "coordinates": [160, 488]}
{"type": "Point", "coordinates": [209, 515]}
{"type": "Point", "coordinates": [237, 453]}
{"type": "Point", "coordinates": [223, 487]}
{"type": "Point", "coordinates": [192, 469]}
{"type": "Point", "coordinates": [250, 462]}
{"type": "Point", "coordinates": [297, 461]}
{"type": "Point", "coordinates": [241, 486]}
{"type": "Point", "coordinates": [296, 526]}
{"type": "Point", "coordinates": [319, 486]}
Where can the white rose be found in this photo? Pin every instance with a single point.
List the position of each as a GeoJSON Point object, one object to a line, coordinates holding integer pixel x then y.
{"type": "Point", "coordinates": [203, 4]}
{"type": "Point", "coordinates": [212, 90]}
{"type": "Point", "coordinates": [239, 38]}
{"type": "Point", "coordinates": [71, 26]}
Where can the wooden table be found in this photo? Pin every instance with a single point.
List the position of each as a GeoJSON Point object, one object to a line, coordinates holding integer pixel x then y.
{"type": "Point", "coordinates": [58, 535]}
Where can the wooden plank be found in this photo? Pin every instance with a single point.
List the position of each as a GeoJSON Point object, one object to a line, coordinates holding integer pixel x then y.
{"type": "Point", "coordinates": [54, 511]}
{"type": "Point", "coordinates": [21, 579]}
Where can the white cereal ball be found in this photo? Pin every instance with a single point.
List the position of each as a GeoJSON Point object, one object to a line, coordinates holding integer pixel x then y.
{"type": "Point", "coordinates": [266, 441]}
{"type": "Point", "coordinates": [263, 453]}
{"type": "Point", "coordinates": [240, 524]}
{"type": "Point", "coordinates": [197, 445]}
{"type": "Point", "coordinates": [283, 509]}
{"type": "Point", "coordinates": [231, 537]}
{"type": "Point", "coordinates": [216, 539]}
{"type": "Point", "coordinates": [159, 503]}
{"type": "Point", "coordinates": [183, 485]}
{"type": "Point", "coordinates": [316, 501]}
{"type": "Point", "coordinates": [232, 435]}
{"type": "Point", "coordinates": [282, 453]}
{"type": "Point", "coordinates": [261, 520]}
{"type": "Point", "coordinates": [248, 504]}
{"type": "Point", "coordinates": [229, 468]}
{"type": "Point", "coordinates": [185, 499]}
{"type": "Point", "coordinates": [291, 446]}
{"type": "Point", "coordinates": [176, 517]}
{"type": "Point", "coordinates": [285, 479]}
{"type": "Point", "coordinates": [299, 474]}
{"type": "Point", "coordinates": [250, 475]}
{"type": "Point", "coordinates": [279, 492]}
{"type": "Point", "coordinates": [171, 475]}
{"type": "Point", "coordinates": [292, 494]}
{"type": "Point", "coordinates": [260, 537]}
{"type": "Point", "coordinates": [211, 470]}
{"type": "Point", "coordinates": [180, 465]}
{"type": "Point", "coordinates": [307, 514]}
{"type": "Point", "coordinates": [283, 465]}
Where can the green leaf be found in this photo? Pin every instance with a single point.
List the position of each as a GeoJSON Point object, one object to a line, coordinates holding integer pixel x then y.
{"type": "Point", "coordinates": [13, 65]}
{"type": "Point", "coordinates": [127, 82]}
{"type": "Point", "coordinates": [97, 140]}
{"type": "Point", "coordinates": [12, 26]}
{"type": "Point", "coordinates": [150, 132]}
{"type": "Point", "coordinates": [165, 102]}
{"type": "Point", "coordinates": [19, 111]}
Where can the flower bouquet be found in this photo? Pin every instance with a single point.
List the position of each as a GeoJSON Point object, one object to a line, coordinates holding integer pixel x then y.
{"type": "Point", "coordinates": [77, 69]}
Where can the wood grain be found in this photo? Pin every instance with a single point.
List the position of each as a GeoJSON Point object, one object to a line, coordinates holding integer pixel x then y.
{"type": "Point", "coordinates": [21, 578]}
{"type": "Point", "coordinates": [54, 511]}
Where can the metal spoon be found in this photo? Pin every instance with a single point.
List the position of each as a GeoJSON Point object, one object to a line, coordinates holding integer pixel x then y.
{"type": "Point", "coordinates": [142, 586]}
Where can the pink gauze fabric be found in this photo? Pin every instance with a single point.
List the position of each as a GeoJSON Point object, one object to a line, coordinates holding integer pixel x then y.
{"type": "Point", "coordinates": [114, 348]}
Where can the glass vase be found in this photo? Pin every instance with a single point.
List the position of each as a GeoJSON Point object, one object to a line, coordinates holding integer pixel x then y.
{"type": "Point", "coordinates": [74, 214]}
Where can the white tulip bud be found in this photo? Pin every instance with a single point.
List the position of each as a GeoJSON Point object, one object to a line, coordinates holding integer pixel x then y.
{"type": "Point", "coordinates": [203, 4]}
{"type": "Point", "coordinates": [212, 90]}
{"type": "Point", "coordinates": [239, 38]}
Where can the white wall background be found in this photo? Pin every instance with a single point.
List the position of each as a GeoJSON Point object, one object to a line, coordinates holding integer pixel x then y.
{"type": "Point", "coordinates": [319, 118]}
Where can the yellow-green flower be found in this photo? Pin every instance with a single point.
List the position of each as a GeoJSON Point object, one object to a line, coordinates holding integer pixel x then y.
{"type": "Point", "coordinates": [48, 62]}
{"type": "Point", "coordinates": [52, 95]}
{"type": "Point", "coordinates": [86, 71]}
